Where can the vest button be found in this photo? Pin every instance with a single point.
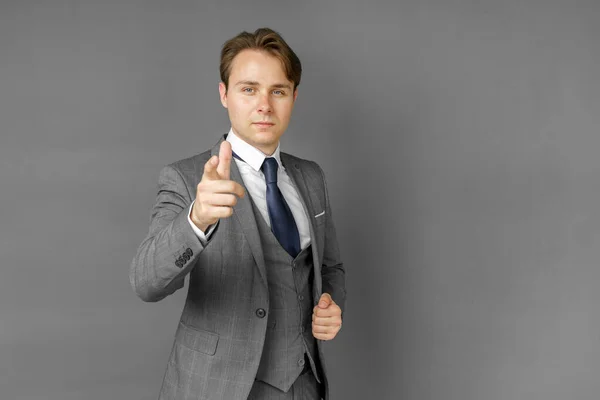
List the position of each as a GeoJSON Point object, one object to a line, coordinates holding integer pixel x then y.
{"type": "Point", "coordinates": [301, 362]}
{"type": "Point", "coordinates": [260, 313]}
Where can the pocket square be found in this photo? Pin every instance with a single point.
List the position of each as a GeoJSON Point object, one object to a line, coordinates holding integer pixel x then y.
{"type": "Point", "coordinates": [320, 214]}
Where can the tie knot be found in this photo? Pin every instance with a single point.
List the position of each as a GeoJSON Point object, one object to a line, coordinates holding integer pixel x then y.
{"type": "Point", "coordinates": [269, 168]}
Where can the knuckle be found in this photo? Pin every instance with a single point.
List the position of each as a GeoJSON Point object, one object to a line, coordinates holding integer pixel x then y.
{"type": "Point", "coordinates": [230, 200]}
{"type": "Point", "coordinates": [231, 186]}
{"type": "Point", "coordinates": [202, 187]}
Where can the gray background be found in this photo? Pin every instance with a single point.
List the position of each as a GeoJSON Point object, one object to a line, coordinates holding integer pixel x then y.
{"type": "Point", "coordinates": [459, 139]}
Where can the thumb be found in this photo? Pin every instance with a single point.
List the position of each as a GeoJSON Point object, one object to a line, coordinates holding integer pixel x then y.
{"type": "Point", "coordinates": [325, 300]}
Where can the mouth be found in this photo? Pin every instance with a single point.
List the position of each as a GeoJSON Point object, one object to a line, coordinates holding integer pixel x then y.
{"type": "Point", "coordinates": [264, 124]}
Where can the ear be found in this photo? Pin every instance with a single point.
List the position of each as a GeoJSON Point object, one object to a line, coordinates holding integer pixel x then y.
{"type": "Point", "coordinates": [295, 94]}
{"type": "Point", "coordinates": [223, 94]}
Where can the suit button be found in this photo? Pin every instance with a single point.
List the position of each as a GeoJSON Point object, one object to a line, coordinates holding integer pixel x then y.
{"type": "Point", "coordinates": [260, 313]}
{"type": "Point", "coordinates": [301, 297]}
{"type": "Point", "coordinates": [189, 252]}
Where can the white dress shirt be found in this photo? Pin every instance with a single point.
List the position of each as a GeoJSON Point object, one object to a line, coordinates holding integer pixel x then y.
{"type": "Point", "coordinates": [254, 180]}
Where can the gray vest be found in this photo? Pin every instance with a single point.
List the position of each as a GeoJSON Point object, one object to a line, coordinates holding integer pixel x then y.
{"type": "Point", "coordinates": [289, 325]}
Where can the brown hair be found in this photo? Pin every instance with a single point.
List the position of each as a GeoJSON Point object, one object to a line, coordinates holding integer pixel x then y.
{"type": "Point", "coordinates": [263, 39]}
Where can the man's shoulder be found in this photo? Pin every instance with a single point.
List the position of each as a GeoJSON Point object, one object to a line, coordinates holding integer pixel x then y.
{"type": "Point", "coordinates": [187, 163]}
{"type": "Point", "coordinates": [189, 169]}
{"type": "Point", "coordinates": [194, 163]}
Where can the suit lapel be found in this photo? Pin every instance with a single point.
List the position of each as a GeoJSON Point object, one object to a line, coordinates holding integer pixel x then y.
{"type": "Point", "coordinates": [299, 181]}
{"type": "Point", "coordinates": [245, 216]}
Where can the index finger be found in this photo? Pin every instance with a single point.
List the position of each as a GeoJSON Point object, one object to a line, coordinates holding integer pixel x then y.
{"type": "Point", "coordinates": [224, 160]}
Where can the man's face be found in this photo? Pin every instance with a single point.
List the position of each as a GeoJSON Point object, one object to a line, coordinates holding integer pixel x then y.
{"type": "Point", "coordinates": [259, 100]}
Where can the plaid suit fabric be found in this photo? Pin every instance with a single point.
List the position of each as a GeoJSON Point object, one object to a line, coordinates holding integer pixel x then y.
{"type": "Point", "coordinates": [290, 311]}
{"type": "Point", "coordinates": [305, 387]}
{"type": "Point", "coordinates": [220, 337]}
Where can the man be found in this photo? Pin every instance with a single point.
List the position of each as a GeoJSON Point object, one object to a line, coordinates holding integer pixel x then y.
{"type": "Point", "coordinates": [266, 284]}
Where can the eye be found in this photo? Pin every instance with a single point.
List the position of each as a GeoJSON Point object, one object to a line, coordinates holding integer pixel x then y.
{"type": "Point", "coordinates": [248, 90]}
{"type": "Point", "coordinates": [279, 92]}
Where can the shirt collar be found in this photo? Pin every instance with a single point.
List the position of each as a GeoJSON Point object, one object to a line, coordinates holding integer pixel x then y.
{"type": "Point", "coordinates": [250, 154]}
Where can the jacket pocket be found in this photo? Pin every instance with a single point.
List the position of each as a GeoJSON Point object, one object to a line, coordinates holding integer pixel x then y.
{"type": "Point", "coordinates": [196, 339]}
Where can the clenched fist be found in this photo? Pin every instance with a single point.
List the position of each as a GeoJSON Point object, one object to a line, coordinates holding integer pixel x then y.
{"type": "Point", "coordinates": [216, 194]}
{"type": "Point", "coordinates": [326, 318]}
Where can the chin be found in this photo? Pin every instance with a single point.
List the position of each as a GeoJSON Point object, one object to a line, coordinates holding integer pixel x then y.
{"type": "Point", "coordinates": [264, 141]}
{"type": "Point", "coordinates": [266, 135]}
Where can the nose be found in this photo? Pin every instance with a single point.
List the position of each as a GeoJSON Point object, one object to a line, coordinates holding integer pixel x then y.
{"type": "Point", "coordinates": [264, 103]}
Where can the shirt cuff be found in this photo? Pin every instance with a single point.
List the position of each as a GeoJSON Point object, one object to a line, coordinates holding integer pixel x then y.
{"type": "Point", "coordinates": [203, 237]}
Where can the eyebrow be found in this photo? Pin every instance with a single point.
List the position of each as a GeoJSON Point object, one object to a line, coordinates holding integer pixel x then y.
{"type": "Point", "coordinates": [255, 83]}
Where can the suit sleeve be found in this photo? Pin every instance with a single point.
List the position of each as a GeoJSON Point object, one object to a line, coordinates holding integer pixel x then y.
{"type": "Point", "coordinates": [171, 247]}
{"type": "Point", "coordinates": [332, 271]}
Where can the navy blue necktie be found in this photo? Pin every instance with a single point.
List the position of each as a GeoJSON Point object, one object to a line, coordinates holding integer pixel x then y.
{"type": "Point", "coordinates": [283, 225]}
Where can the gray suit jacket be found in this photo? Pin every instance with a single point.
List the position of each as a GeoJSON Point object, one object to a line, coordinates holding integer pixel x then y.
{"type": "Point", "coordinates": [220, 336]}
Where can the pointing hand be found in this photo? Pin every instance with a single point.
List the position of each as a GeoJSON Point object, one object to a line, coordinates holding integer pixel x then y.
{"type": "Point", "coordinates": [216, 194]}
